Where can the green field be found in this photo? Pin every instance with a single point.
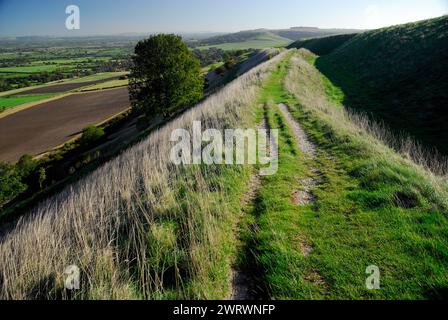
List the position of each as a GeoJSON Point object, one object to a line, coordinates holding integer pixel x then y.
{"type": "Point", "coordinates": [29, 69]}
{"type": "Point", "coordinates": [106, 85]}
{"type": "Point", "coordinates": [11, 102]}
{"type": "Point", "coordinates": [211, 67]}
{"type": "Point", "coordinates": [95, 77]}
{"type": "Point", "coordinates": [36, 62]}
{"type": "Point", "coordinates": [7, 102]}
{"type": "Point", "coordinates": [256, 41]}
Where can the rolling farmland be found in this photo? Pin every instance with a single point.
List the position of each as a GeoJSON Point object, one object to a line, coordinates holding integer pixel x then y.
{"type": "Point", "coordinates": [58, 88]}
{"type": "Point", "coordinates": [48, 125]}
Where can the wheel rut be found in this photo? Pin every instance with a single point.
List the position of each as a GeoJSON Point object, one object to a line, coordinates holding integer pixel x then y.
{"type": "Point", "coordinates": [304, 195]}
{"type": "Point", "coordinates": [242, 282]}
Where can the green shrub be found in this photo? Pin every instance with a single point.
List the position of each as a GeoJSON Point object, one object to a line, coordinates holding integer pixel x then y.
{"type": "Point", "coordinates": [91, 134]}
{"type": "Point", "coordinates": [10, 183]}
{"type": "Point", "coordinates": [26, 165]}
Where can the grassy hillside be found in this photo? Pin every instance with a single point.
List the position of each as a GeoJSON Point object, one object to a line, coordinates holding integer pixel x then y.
{"type": "Point", "coordinates": [264, 38]}
{"type": "Point", "coordinates": [367, 204]}
{"type": "Point", "coordinates": [400, 75]}
{"type": "Point", "coordinates": [370, 205]}
{"type": "Point", "coordinates": [140, 227]}
{"type": "Point", "coordinates": [324, 45]}
{"type": "Point", "coordinates": [300, 33]}
{"type": "Point", "coordinates": [244, 40]}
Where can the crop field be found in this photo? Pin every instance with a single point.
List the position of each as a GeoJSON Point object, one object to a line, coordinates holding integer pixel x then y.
{"type": "Point", "coordinates": [30, 69]}
{"type": "Point", "coordinates": [106, 85]}
{"type": "Point", "coordinates": [65, 87]}
{"type": "Point", "coordinates": [87, 79]}
{"type": "Point", "coordinates": [48, 125]}
{"type": "Point", "coordinates": [11, 102]}
{"type": "Point", "coordinates": [97, 77]}
{"type": "Point", "coordinates": [46, 60]}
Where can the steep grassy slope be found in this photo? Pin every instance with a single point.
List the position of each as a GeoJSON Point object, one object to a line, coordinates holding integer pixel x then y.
{"type": "Point", "coordinates": [140, 226]}
{"type": "Point", "coordinates": [324, 45]}
{"type": "Point", "coordinates": [370, 205]}
{"type": "Point", "coordinates": [400, 75]}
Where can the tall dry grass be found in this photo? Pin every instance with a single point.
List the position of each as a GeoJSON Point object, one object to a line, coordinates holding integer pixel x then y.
{"type": "Point", "coordinates": [138, 227]}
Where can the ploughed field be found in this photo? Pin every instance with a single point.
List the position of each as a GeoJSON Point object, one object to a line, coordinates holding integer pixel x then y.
{"type": "Point", "coordinates": [59, 88]}
{"type": "Point", "coordinates": [48, 125]}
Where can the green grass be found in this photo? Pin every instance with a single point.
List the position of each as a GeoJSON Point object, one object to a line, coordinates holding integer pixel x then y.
{"type": "Point", "coordinates": [399, 75]}
{"type": "Point", "coordinates": [11, 102]}
{"type": "Point", "coordinates": [96, 77]}
{"type": "Point", "coordinates": [30, 69]}
{"type": "Point", "coordinates": [253, 41]}
{"type": "Point", "coordinates": [72, 61]}
{"type": "Point", "coordinates": [371, 209]}
{"type": "Point", "coordinates": [279, 232]}
{"type": "Point", "coordinates": [211, 67]}
{"type": "Point", "coordinates": [324, 45]}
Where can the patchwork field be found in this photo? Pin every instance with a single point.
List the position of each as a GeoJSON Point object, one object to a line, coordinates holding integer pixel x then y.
{"type": "Point", "coordinates": [25, 63]}
{"type": "Point", "coordinates": [109, 84]}
{"type": "Point", "coordinates": [48, 125]}
{"type": "Point", "coordinates": [58, 88]}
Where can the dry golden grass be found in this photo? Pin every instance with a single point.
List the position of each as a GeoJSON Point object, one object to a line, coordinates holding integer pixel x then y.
{"type": "Point", "coordinates": [138, 226]}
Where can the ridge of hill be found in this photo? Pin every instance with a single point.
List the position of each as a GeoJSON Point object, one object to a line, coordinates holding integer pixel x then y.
{"type": "Point", "coordinates": [398, 74]}
{"type": "Point", "coordinates": [323, 45]}
{"type": "Point", "coordinates": [267, 37]}
{"type": "Point", "coordinates": [300, 33]}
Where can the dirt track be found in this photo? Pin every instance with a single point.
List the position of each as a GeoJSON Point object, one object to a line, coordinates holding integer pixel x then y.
{"type": "Point", "coordinates": [58, 88]}
{"type": "Point", "coordinates": [48, 125]}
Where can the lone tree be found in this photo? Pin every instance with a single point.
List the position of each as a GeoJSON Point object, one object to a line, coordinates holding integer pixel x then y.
{"type": "Point", "coordinates": [165, 76]}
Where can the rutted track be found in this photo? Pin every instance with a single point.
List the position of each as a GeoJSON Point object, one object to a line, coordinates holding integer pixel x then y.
{"type": "Point", "coordinates": [48, 125]}
{"type": "Point", "coordinates": [305, 195]}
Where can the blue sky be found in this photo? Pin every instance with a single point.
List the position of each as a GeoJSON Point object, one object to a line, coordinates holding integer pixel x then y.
{"type": "Point", "coordinates": [47, 17]}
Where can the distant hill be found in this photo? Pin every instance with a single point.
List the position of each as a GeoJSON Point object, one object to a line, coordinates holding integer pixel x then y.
{"type": "Point", "coordinates": [300, 33]}
{"type": "Point", "coordinates": [255, 39]}
{"type": "Point", "coordinates": [324, 45]}
{"type": "Point", "coordinates": [399, 74]}
{"type": "Point", "coordinates": [262, 38]}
